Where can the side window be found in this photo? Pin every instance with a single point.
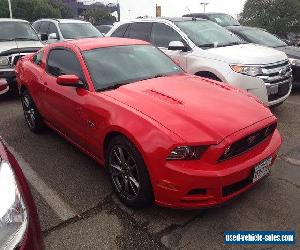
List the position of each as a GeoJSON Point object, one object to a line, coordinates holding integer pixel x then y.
{"type": "Point", "coordinates": [52, 29]}
{"type": "Point", "coordinates": [44, 28]}
{"type": "Point", "coordinates": [37, 26]}
{"type": "Point", "coordinates": [163, 34]}
{"type": "Point", "coordinates": [63, 62]}
{"type": "Point", "coordinates": [140, 31]}
{"type": "Point", "coordinates": [37, 58]}
{"type": "Point", "coordinates": [119, 32]}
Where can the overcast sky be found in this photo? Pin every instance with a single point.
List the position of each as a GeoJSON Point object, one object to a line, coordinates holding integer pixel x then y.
{"type": "Point", "coordinates": [134, 8]}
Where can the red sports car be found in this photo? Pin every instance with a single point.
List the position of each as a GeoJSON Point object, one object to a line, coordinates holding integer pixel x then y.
{"type": "Point", "coordinates": [19, 224]}
{"type": "Point", "coordinates": [165, 136]}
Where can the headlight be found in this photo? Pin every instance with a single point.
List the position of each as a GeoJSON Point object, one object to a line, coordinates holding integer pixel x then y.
{"type": "Point", "coordinates": [186, 153]}
{"type": "Point", "coordinates": [294, 62]}
{"type": "Point", "coordinates": [13, 213]}
{"type": "Point", "coordinates": [247, 70]}
{"type": "Point", "coordinates": [4, 61]}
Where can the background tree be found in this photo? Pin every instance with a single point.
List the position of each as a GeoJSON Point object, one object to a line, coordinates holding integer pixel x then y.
{"type": "Point", "coordinates": [280, 17]}
{"type": "Point", "coordinates": [32, 10]}
{"type": "Point", "coordinates": [97, 15]}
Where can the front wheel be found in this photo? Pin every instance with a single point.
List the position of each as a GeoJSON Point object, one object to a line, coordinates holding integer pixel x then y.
{"type": "Point", "coordinates": [128, 173]}
{"type": "Point", "coordinates": [32, 117]}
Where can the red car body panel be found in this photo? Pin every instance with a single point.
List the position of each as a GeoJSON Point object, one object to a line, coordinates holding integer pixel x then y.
{"type": "Point", "coordinates": [32, 239]}
{"type": "Point", "coordinates": [157, 115]}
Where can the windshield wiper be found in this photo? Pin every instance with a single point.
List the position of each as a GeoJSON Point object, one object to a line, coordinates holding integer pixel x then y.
{"type": "Point", "coordinates": [207, 45]}
{"type": "Point", "coordinates": [114, 86]}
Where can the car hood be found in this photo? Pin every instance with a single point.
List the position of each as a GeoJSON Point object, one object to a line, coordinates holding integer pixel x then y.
{"type": "Point", "coordinates": [196, 109]}
{"type": "Point", "coordinates": [291, 51]}
{"type": "Point", "coordinates": [248, 54]}
{"type": "Point", "coordinates": [16, 46]}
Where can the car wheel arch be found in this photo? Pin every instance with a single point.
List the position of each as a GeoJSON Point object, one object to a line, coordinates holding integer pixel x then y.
{"type": "Point", "coordinates": [209, 75]}
{"type": "Point", "coordinates": [121, 132]}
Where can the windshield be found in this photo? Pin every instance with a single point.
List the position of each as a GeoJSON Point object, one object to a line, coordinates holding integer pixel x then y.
{"type": "Point", "coordinates": [207, 34]}
{"type": "Point", "coordinates": [126, 64]}
{"type": "Point", "coordinates": [224, 20]}
{"type": "Point", "coordinates": [11, 31]}
{"type": "Point", "coordinates": [79, 30]}
{"type": "Point", "coordinates": [262, 37]}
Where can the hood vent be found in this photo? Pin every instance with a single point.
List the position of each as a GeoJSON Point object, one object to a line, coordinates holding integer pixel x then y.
{"type": "Point", "coordinates": [163, 97]}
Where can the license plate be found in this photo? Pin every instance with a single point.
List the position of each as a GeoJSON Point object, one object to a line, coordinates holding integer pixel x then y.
{"type": "Point", "coordinates": [273, 90]}
{"type": "Point", "coordinates": [262, 169]}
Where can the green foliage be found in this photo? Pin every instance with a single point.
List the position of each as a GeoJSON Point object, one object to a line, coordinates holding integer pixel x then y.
{"type": "Point", "coordinates": [280, 17]}
{"type": "Point", "coordinates": [98, 15]}
{"type": "Point", "coordinates": [32, 10]}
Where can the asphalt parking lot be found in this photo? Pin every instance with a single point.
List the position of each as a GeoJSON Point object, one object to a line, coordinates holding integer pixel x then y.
{"type": "Point", "coordinates": [78, 210]}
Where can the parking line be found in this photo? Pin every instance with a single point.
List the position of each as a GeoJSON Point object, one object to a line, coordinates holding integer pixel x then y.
{"type": "Point", "coordinates": [291, 160]}
{"type": "Point", "coordinates": [293, 103]}
{"type": "Point", "coordinates": [61, 209]}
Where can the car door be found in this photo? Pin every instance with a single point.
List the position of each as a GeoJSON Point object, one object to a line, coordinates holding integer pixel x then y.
{"type": "Point", "coordinates": [64, 103]}
{"type": "Point", "coordinates": [161, 36]}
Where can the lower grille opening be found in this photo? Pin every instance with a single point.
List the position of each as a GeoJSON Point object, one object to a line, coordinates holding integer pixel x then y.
{"type": "Point", "coordinates": [283, 90]}
{"type": "Point", "coordinates": [199, 191]}
{"type": "Point", "coordinates": [235, 187]}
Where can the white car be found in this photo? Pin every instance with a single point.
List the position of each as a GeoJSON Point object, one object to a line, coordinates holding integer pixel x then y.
{"type": "Point", "coordinates": [203, 48]}
{"type": "Point", "coordinates": [17, 38]}
{"type": "Point", "coordinates": [53, 30]}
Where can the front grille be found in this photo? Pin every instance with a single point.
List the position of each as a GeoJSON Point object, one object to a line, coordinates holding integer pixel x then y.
{"type": "Point", "coordinates": [276, 73]}
{"type": "Point", "coordinates": [235, 187]}
{"type": "Point", "coordinates": [248, 142]}
{"type": "Point", "coordinates": [14, 58]}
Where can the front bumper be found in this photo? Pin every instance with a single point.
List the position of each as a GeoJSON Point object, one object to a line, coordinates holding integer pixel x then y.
{"type": "Point", "coordinates": [260, 88]}
{"type": "Point", "coordinates": [194, 184]}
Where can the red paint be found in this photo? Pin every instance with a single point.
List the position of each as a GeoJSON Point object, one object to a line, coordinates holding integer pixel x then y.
{"type": "Point", "coordinates": [66, 80]}
{"type": "Point", "coordinates": [32, 239]}
{"type": "Point", "coordinates": [157, 115]}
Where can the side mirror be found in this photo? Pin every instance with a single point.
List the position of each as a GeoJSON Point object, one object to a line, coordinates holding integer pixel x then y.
{"type": "Point", "coordinates": [43, 37]}
{"type": "Point", "coordinates": [52, 36]}
{"type": "Point", "coordinates": [68, 80]}
{"type": "Point", "coordinates": [177, 45]}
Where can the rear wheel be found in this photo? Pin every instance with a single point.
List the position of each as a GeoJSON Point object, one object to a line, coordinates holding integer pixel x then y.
{"type": "Point", "coordinates": [128, 173]}
{"type": "Point", "coordinates": [32, 117]}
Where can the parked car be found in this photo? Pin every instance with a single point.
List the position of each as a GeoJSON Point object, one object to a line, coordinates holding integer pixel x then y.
{"type": "Point", "coordinates": [164, 135]}
{"type": "Point", "coordinates": [203, 48]}
{"type": "Point", "coordinates": [54, 30]}
{"type": "Point", "coordinates": [17, 39]}
{"type": "Point", "coordinates": [104, 28]}
{"type": "Point", "coordinates": [219, 18]}
{"type": "Point", "coordinates": [262, 37]}
{"type": "Point", "coordinates": [19, 224]}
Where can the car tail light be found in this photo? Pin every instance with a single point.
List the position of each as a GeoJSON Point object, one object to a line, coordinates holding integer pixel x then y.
{"type": "Point", "coordinates": [3, 84]}
{"type": "Point", "coordinates": [13, 212]}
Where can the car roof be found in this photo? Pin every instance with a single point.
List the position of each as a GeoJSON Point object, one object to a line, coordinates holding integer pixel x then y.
{"type": "Point", "coordinates": [12, 20]}
{"type": "Point", "coordinates": [94, 43]}
{"type": "Point", "coordinates": [62, 20]}
{"type": "Point", "coordinates": [171, 19]}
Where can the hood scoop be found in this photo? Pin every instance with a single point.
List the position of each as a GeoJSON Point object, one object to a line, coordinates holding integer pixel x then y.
{"type": "Point", "coordinates": [163, 97]}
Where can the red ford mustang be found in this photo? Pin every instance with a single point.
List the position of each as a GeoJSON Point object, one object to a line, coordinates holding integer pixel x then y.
{"type": "Point", "coordinates": [19, 224]}
{"type": "Point", "coordinates": [165, 136]}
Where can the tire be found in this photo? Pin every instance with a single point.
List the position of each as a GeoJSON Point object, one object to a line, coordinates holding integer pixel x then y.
{"type": "Point", "coordinates": [128, 173]}
{"type": "Point", "coordinates": [32, 116]}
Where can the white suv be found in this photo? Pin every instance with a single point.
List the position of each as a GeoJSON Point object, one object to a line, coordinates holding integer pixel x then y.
{"type": "Point", "coordinates": [53, 30]}
{"type": "Point", "coordinates": [204, 48]}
